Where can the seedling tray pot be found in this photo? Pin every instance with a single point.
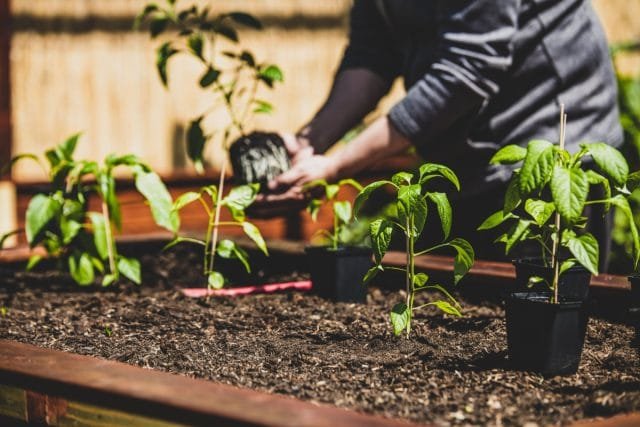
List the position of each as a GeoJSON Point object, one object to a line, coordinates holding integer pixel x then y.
{"type": "Point", "coordinates": [336, 274]}
{"type": "Point", "coordinates": [545, 337]}
{"type": "Point", "coordinates": [258, 158]}
{"type": "Point", "coordinates": [573, 283]}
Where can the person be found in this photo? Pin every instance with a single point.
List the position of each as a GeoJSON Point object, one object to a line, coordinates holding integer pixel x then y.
{"type": "Point", "coordinates": [479, 74]}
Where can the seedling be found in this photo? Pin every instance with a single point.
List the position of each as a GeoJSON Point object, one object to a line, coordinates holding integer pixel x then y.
{"type": "Point", "coordinates": [410, 218]}
{"type": "Point", "coordinates": [80, 239]}
{"type": "Point", "coordinates": [238, 199]}
{"type": "Point", "coordinates": [547, 195]}
{"type": "Point", "coordinates": [342, 210]}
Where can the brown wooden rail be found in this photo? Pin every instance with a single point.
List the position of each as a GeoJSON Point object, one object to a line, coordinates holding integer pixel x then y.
{"type": "Point", "coordinates": [43, 386]}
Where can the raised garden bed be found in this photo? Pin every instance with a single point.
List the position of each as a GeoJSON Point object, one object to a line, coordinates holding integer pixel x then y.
{"type": "Point", "coordinates": [451, 371]}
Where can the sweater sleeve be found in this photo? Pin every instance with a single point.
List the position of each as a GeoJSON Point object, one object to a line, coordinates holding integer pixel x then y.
{"type": "Point", "coordinates": [474, 51]}
{"type": "Point", "coordinates": [371, 43]}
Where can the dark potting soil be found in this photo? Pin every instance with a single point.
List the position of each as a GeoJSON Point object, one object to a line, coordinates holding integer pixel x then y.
{"type": "Point", "coordinates": [452, 371]}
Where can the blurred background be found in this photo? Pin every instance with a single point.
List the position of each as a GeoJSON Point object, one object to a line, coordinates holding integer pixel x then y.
{"type": "Point", "coordinates": [77, 65]}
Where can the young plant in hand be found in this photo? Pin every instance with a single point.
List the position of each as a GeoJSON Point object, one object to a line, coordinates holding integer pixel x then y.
{"type": "Point", "coordinates": [238, 199]}
{"type": "Point", "coordinates": [342, 209]}
{"type": "Point", "coordinates": [82, 240]}
{"type": "Point", "coordinates": [412, 200]}
{"type": "Point", "coordinates": [546, 198]}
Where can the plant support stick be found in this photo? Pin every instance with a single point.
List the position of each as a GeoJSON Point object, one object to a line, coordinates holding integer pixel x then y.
{"type": "Point", "coordinates": [555, 258]}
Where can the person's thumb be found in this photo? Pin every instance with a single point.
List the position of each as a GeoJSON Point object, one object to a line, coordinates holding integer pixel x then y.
{"type": "Point", "coordinates": [287, 179]}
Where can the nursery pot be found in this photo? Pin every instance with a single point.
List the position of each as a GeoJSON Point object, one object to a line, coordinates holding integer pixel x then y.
{"type": "Point", "coordinates": [573, 283]}
{"type": "Point", "coordinates": [634, 306]}
{"type": "Point", "coordinates": [337, 274]}
{"type": "Point", "coordinates": [545, 337]}
{"type": "Point", "coordinates": [258, 158]}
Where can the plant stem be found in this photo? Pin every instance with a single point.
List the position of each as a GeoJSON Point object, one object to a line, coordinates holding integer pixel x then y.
{"type": "Point", "coordinates": [108, 236]}
{"type": "Point", "coordinates": [335, 231]}
{"type": "Point", "coordinates": [410, 244]}
{"type": "Point", "coordinates": [216, 220]}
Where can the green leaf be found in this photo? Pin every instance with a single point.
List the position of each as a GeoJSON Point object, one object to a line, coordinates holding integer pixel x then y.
{"type": "Point", "coordinates": [254, 234]}
{"type": "Point", "coordinates": [516, 234]}
{"type": "Point", "coordinates": [411, 203]}
{"type": "Point", "coordinates": [215, 280]}
{"type": "Point", "coordinates": [444, 211]}
{"type": "Point", "coordinates": [610, 161]}
{"type": "Point", "coordinates": [179, 239]}
{"type": "Point", "coordinates": [69, 229]}
{"type": "Point", "coordinates": [512, 197]}
{"type": "Point", "coordinates": [164, 52]}
{"type": "Point", "coordinates": [81, 269]}
{"type": "Point", "coordinates": [4, 237]}
{"type": "Point", "coordinates": [373, 272]}
{"type": "Point", "coordinates": [262, 107]}
{"type": "Point", "coordinates": [569, 189]}
{"type": "Point", "coordinates": [352, 182]}
{"type": "Point", "coordinates": [158, 25]}
{"type": "Point", "coordinates": [364, 195]}
{"type": "Point", "coordinates": [509, 155]}
{"type": "Point", "coordinates": [107, 190]}
{"type": "Point", "coordinates": [463, 260]}
{"type": "Point", "coordinates": [537, 166]}
{"type": "Point", "coordinates": [633, 181]}
{"type": "Point", "coordinates": [155, 192]}
{"type": "Point", "coordinates": [342, 210]}
{"type": "Point", "coordinates": [420, 280]}
{"type": "Point", "coordinates": [228, 249]}
{"type": "Point", "coordinates": [185, 199]}
{"type": "Point", "coordinates": [226, 31]}
{"type": "Point", "coordinates": [447, 308]}
{"type": "Point", "coordinates": [196, 43]}
{"type": "Point", "coordinates": [400, 316]}
{"type": "Point", "coordinates": [271, 74]}
{"type": "Point", "coordinates": [196, 140]}
{"type": "Point", "coordinates": [380, 231]}
{"type": "Point", "coordinates": [246, 20]}
{"type": "Point", "coordinates": [331, 190]}
{"type": "Point", "coordinates": [40, 212]}
{"type": "Point", "coordinates": [534, 280]}
{"type": "Point", "coordinates": [33, 261]}
{"type": "Point", "coordinates": [402, 178]}
{"type": "Point", "coordinates": [148, 9]}
{"type": "Point", "coordinates": [130, 268]}
{"type": "Point", "coordinates": [566, 265]}
{"type": "Point", "coordinates": [585, 249]}
{"type": "Point", "coordinates": [209, 77]}
{"type": "Point", "coordinates": [108, 279]}
{"type": "Point", "coordinates": [248, 58]}
{"type": "Point", "coordinates": [539, 210]}
{"type": "Point", "coordinates": [239, 198]}
{"type": "Point", "coordinates": [99, 234]}
{"type": "Point", "coordinates": [428, 169]}
{"type": "Point", "coordinates": [495, 220]}
{"type": "Point", "coordinates": [68, 147]}
{"type": "Point", "coordinates": [623, 204]}
{"type": "Point", "coordinates": [313, 208]}
{"type": "Point", "coordinates": [596, 179]}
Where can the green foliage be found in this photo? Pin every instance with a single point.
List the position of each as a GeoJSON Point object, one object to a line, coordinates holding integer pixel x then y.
{"type": "Point", "coordinates": [411, 213]}
{"type": "Point", "coordinates": [552, 180]}
{"type": "Point", "coordinates": [229, 71]}
{"type": "Point", "coordinates": [341, 209]}
{"type": "Point", "coordinates": [83, 240]}
{"type": "Point", "coordinates": [238, 199]}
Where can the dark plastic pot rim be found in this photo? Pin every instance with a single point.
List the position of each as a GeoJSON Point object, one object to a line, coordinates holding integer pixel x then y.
{"type": "Point", "coordinates": [341, 250]}
{"type": "Point", "coordinates": [537, 263]}
{"type": "Point", "coordinates": [543, 298]}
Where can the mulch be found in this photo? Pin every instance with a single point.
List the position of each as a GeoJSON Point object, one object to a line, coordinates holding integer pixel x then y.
{"type": "Point", "coordinates": [452, 371]}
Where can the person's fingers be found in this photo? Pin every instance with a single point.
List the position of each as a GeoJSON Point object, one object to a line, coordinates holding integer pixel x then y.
{"type": "Point", "coordinates": [288, 178]}
{"type": "Point", "coordinates": [291, 143]}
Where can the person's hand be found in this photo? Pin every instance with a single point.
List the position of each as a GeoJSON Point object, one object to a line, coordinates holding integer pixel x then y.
{"type": "Point", "coordinates": [297, 147]}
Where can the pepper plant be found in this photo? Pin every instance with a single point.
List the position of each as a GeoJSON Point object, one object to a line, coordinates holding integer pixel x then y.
{"type": "Point", "coordinates": [342, 209]}
{"type": "Point", "coordinates": [412, 197]}
{"type": "Point", "coordinates": [81, 240]}
{"type": "Point", "coordinates": [238, 199]}
{"type": "Point", "coordinates": [546, 198]}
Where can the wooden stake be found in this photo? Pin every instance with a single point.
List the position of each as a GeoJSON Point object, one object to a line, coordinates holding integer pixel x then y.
{"type": "Point", "coordinates": [554, 257]}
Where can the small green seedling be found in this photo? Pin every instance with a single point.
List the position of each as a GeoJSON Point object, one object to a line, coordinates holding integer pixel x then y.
{"type": "Point", "coordinates": [238, 199]}
{"type": "Point", "coordinates": [107, 331]}
{"type": "Point", "coordinates": [4, 311]}
{"type": "Point", "coordinates": [410, 218]}
{"type": "Point", "coordinates": [83, 240]}
{"type": "Point", "coordinates": [342, 210]}
{"type": "Point", "coordinates": [547, 195]}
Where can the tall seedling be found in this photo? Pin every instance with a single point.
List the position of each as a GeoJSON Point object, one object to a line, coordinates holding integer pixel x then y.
{"type": "Point", "coordinates": [547, 195]}
{"type": "Point", "coordinates": [233, 77]}
{"type": "Point", "coordinates": [412, 201]}
{"type": "Point", "coordinates": [82, 240]}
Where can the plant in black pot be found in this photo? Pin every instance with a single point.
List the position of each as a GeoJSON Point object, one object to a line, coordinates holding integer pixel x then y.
{"type": "Point", "coordinates": [410, 217]}
{"type": "Point", "coordinates": [545, 203]}
{"type": "Point", "coordinates": [338, 265]}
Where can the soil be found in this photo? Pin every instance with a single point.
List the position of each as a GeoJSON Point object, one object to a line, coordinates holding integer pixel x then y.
{"type": "Point", "coordinates": [452, 371]}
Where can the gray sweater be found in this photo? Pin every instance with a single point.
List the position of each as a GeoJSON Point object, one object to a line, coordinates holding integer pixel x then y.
{"type": "Point", "coordinates": [481, 74]}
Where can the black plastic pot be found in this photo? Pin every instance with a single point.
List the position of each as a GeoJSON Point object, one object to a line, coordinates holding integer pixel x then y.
{"type": "Point", "coordinates": [545, 337]}
{"type": "Point", "coordinates": [573, 283]}
{"type": "Point", "coordinates": [337, 274]}
{"type": "Point", "coordinates": [258, 158]}
{"type": "Point", "coordinates": [634, 306]}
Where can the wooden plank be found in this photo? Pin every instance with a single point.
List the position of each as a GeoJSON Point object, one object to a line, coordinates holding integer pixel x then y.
{"type": "Point", "coordinates": [624, 420]}
{"type": "Point", "coordinates": [161, 395]}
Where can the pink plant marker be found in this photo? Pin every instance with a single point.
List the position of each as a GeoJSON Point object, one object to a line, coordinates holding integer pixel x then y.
{"type": "Point", "coordinates": [301, 286]}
